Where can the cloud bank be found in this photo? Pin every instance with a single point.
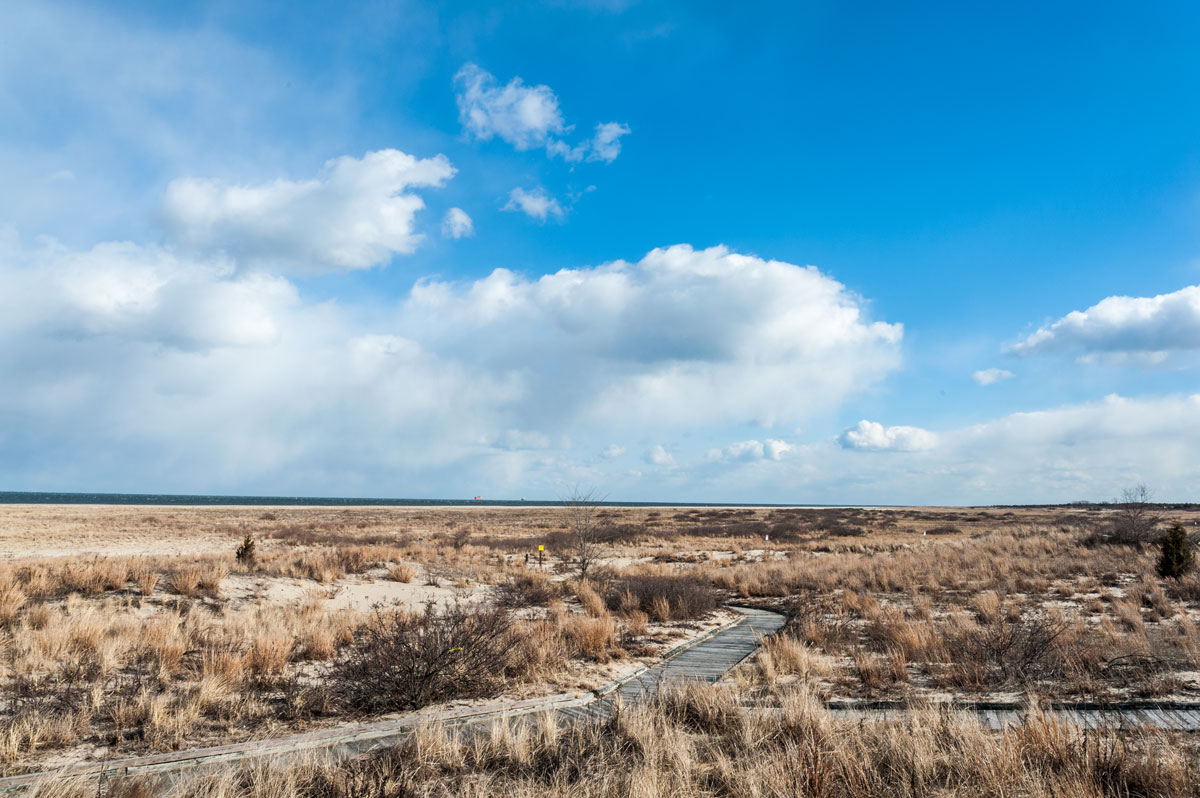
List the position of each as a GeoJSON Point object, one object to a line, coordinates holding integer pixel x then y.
{"type": "Point", "coordinates": [1124, 325]}
{"type": "Point", "coordinates": [148, 368]}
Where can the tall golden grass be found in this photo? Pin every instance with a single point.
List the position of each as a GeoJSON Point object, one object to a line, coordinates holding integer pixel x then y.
{"type": "Point", "coordinates": [700, 741]}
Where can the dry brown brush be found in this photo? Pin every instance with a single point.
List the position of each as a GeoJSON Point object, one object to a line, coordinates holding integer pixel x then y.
{"type": "Point", "coordinates": [701, 741]}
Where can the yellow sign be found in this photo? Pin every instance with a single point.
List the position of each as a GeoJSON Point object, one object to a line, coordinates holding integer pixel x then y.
{"type": "Point", "coordinates": [541, 548]}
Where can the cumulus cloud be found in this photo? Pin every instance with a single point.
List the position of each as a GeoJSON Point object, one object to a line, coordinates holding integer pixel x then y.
{"type": "Point", "coordinates": [357, 213]}
{"type": "Point", "coordinates": [457, 224]}
{"type": "Point", "coordinates": [874, 437]}
{"type": "Point", "coordinates": [1079, 451]}
{"type": "Point", "coordinates": [124, 292]}
{"type": "Point", "coordinates": [776, 449]}
{"type": "Point", "coordinates": [751, 450]}
{"type": "Point", "coordinates": [142, 371]}
{"type": "Point", "coordinates": [154, 99]}
{"type": "Point", "coordinates": [606, 144]}
{"type": "Point", "coordinates": [1121, 325]}
{"type": "Point", "coordinates": [527, 117]}
{"type": "Point", "coordinates": [682, 336]}
{"type": "Point", "coordinates": [135, 367]}
{"type": "Point", "coordinates": [144, 368]}
{"type": "Point", "coordinates": [524, 116]}
{"type": "Point", "coordinates": [536, 204]}
{"type": "Point", "coordinates": [990, 376]}
{"type": "Point", "coordinates": [1089, 450]}
{"type": "Point", "coordinates": [659, 456]}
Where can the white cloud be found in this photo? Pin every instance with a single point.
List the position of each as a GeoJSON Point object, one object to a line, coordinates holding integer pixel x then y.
{"type": "Point", "coordinates": [457, 224]}
{"type": "Point", "coordinates": [681, 337]}
{"type": "Point", "coordinates": [524, 116]}
{"type": "Point", "coordinates": [751, 450]}
{"type": "Point", "coordinates": [536, 204]}
{"type": "Point", "coordinates": [123, 292]}
{"type": "Point", "coordinates": [606, 144]}
{"type": "Point", "coordinates": [527, 117]}
{"type": "Point", "coordinates": [130, 367]}
{"type": "Point", "coordinates": [357, 213]}
{"type": "Point", "coordinates": [990, 376]}
{"type": "Point", "coordinates": [139, 367]}
{"type": "Point", "coordinates": [873, 436]}
{"type": "Point", "coordinates": [613, 450]}
{"type": "Point", "coordinates": [777, 449]}
{"type": "Point", "coordinates": [659, 456]}
{"type": "Point", "coordinates": [1080, 451]}
{"type": "Point", "coordinates": [742, 450]}
{"type": "Point", "coordinates": [1122, 325]}
{"type": "Point", "coordinates": [154, 100]}
{"type": "Point", "coordinates": [1089, 450]}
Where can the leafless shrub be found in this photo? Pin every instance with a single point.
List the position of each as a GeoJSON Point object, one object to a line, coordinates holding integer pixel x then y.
{"type": "Point", "coordinates": [1135, 520]}
{"type": "Point", "coordinates": [587, 534]}
{"type": "Point", "coordinates": [402, 660]}
{"type": "Point", "coordinates": [1007, 649]}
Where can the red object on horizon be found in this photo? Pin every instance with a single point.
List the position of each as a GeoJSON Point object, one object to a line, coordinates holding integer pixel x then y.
{"type": "Point", "coordinates": [478, 498]}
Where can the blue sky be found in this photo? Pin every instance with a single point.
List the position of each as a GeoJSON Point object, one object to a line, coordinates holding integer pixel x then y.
{"type": "Point", "coordinates": [787, 253]}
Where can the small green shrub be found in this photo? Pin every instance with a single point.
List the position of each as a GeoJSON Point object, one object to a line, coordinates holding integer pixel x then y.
{"type": "Point", "coordinates": [245, 553]}
{"type": "Point", "coordinates": [1176, 558]}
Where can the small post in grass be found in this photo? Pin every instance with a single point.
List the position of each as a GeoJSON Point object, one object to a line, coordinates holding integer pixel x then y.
{"type": "Point", "coordinates": [541, 548]}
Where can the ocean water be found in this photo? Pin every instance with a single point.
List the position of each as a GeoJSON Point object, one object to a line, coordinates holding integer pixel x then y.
{"type": "Point", "coordinates": [18, 497]}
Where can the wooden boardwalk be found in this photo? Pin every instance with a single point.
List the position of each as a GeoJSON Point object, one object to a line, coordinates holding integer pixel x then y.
{"type": "Point", "coordinates": [706, 661]}
{"type": "Point", "coordinates": [1168, 716]}
{"type": "Point", "coordinates": [707, 658]}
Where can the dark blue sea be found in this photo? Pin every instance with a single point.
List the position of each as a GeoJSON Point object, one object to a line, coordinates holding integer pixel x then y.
{"type": "Point", "coordinates": [18, 497]}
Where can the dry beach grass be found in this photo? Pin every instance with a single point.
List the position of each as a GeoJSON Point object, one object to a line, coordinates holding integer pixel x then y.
{"type": "Point", "coordinates": [106, 652]}
{"type": "Point", "coordinates": [702, 741]}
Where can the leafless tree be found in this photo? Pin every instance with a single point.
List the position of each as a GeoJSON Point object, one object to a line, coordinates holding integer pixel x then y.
{"type": "Point", "coordinates": [1136, 517]}
{"type": "Point", "coordinates": [583, 524]}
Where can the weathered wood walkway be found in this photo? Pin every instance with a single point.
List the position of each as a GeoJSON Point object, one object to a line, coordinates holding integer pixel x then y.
{"type": "Point", "coordinates": [706, 661]}
{"type": "Point", "coordinates": [1170, 716]}
{"type": "Point", "coordinates": [707, 658]}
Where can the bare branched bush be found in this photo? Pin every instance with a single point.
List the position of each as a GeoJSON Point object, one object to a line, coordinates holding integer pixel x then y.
{"type": "Point", "coordinates": [404, 660]}
{"type": "Point", "coordinates": [1007, 647]}
{"type": "Point", "coordinates": [1136, 518]}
